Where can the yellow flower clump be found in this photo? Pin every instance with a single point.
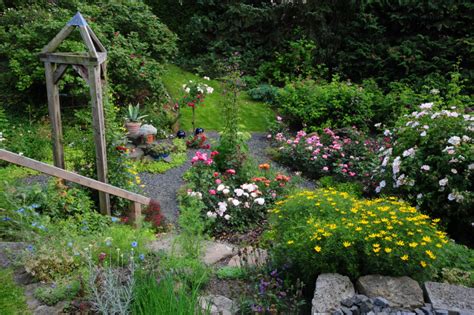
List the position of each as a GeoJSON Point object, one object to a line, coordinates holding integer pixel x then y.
{"type": "Point", "coordinates": [385, 228]}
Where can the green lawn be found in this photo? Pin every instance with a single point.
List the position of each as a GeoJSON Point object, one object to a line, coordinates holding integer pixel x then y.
{"type": "Point", "coordinates": [253, 115]}
{"type": "Point", "coordinates": [12, 298]}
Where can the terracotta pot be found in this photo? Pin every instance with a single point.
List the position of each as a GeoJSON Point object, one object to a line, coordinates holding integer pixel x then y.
{"type": "Point", "coordinates": [149, 139]}
{"type": "Point", "coordinates": [133, 128]}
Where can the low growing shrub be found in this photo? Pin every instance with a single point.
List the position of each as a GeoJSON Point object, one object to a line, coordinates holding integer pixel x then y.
{"type": "Point", "coordinates": [331, 231]}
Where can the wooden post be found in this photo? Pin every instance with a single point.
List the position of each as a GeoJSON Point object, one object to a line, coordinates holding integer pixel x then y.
{"type": "Point", "coordinates": [55, 116]}
{"type": "Point", "coordinates": [135, 213]}
{"type": "Point", "coordinates": [99, 133]}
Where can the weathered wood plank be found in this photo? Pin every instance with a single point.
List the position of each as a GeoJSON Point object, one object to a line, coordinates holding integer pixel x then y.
{"type": "Point", "coordinates": [82, 71]}
{"type": "Point", "coordinates": [57, 40]}
{"type": "Point", "coordinates": [54, 116]}
{"type": "Point", "coordinates": [88, 40]}
{"type": "Point", "coordinates": [96, 40]}
{"type": "Point", "coordinates": [59, 72]}
{"type": "Point", "coordinates": [98, 123]}
{"type": "Point", "coordinates": [135, 213]}
{"type": "Point", "coordinates": [71, 59]}
{"type": "Point", "coordinates": [72, 177]}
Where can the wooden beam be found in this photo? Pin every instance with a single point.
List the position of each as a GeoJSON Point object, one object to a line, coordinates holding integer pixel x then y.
{"type": "Point", "coordinates": [88, 41]}
{"type": "Point", "coordinates": [58, 39]}
{"type": "Point", "coordinates": [58, 73]}
{"type": "Point", "coordinates": [96, 40]}
{"type": "Point", "coordinates": [70, 58]}
{"type": "Point", "coordinates": [82, 71]}
{"type": "Point", "coordinates": [54, 116]}
{"type": "Point", "coordinates": [71, 177]}
{"type": "Point", "coordinates": [98, 123]}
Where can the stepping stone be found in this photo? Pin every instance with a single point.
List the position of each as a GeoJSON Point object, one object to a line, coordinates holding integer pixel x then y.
{"type": "Point", "coordinates": [212, 251]}
{"type": "Point", "coordinates": [249, 256]}
{"type": "Point", "coordinates": [451, 298]}
{"type": "Point", "coordinates": [331, 288]}
{"type": "Point", "coordinates": [400, 292]}
{"type": "Point", "coordinates": [217, 305]}
{"type": "Point", "coordinates": [8, 251]}
{"type": "Point", "coordinates": [216, 251]}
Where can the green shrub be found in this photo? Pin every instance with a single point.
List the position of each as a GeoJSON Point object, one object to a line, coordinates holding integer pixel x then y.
{"type": "Point", "coordinates": [331, 231]}
{"type": "Point", "coordinates": [329, 105]}
{"type": "Point", "coordinates": [430, 164]}
{"type": "Point", "coordinates": [264, 93]}
{"type": "Point", "coordinates": [57, 292]}
{"type": "Point", "coordinates": [138, 45]}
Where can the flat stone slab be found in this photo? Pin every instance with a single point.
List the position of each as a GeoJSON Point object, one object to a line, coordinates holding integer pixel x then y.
{"type": "Point", "coordinates": [136, 153]}
{"type": "Point", "coordinates": [217, 305]}
{"type": "Point", "coordinates": [250, 257]}
{"type": "Point", "coordinates": [212, 251]}
{"type": "Point", "coordinates": [452, 298]}
{"type": "Point", "coordinates": [216, 251]}
{"type": "Point", "coordinates": [331, 288]}
{"type": "Point", "coordinates": [164, 242]}
{"type": "Point", "coordinates": [400, 292]}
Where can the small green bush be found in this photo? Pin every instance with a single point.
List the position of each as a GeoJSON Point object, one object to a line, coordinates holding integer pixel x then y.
{"type": "Point", "coordinates": [227, 272]}
{"type": "Point", "coordinates": [264, 93]}
{"type": "Point", "coordinates": [57, 292]}
{"type": "Point", "coordinates": [335, 104]}
{"type": "Point", "coordinates": [331, 231]}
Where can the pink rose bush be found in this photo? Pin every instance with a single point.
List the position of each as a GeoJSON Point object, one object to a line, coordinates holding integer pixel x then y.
{"type": "Point", "coordinates": [229, 204]}
{"type": "Point", "coordinates": [346, 154]}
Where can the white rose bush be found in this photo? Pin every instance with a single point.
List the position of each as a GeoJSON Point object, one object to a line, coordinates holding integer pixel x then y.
{"type": "Point", "coordinates": [430, 163]}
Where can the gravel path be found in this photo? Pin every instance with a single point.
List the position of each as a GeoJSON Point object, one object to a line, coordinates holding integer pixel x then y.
{"type": "Point", "coordinates": [164, 187]}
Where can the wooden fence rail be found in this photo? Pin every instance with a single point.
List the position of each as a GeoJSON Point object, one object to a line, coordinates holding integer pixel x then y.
{"type": "Point", "coordinates": [138, 200]}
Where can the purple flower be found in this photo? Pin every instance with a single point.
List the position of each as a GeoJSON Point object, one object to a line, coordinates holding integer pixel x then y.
{"type": "Point", "coordinates": [30, 248]}
{"type": "Point", "coordinates": [141, 257]}
{"type": "Point", "coordinates": [134, 244]}
{"type": "Point", "coordinates": [274, 273]}
{"type": "Point", "coordinates": [6, 219]}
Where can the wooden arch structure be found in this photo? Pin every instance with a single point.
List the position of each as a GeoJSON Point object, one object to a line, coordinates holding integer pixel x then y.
{"type": "Point", "coordinates": [91, 66]}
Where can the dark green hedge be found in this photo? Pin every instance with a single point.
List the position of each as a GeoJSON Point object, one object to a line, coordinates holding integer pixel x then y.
{"type": "Point", "coordinates": [387, 40]}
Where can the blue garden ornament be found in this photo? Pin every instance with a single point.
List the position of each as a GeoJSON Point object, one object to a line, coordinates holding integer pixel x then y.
{"type": "Point", "coordinates": [198, 131]}
{"type": "Point", "coordinates": [181, 134]}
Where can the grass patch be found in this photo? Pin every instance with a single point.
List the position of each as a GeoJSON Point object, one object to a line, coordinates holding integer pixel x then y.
{"type": "Point", "coordinates": [12, 297]}
{"type": "Point", "coordinates": [158, 167]}
{"type": "Point", "coordinates": [253, 115]}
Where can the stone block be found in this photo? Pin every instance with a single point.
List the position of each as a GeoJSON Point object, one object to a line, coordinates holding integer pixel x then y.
{"type": "Point", "coordinates": [249, 256]}
{"type": "Point", "coordinates": [452, 298]}
{"type": "Point", "coordinates": [331, 289]}
{"type": "Point", "coordinates": [400, 292]}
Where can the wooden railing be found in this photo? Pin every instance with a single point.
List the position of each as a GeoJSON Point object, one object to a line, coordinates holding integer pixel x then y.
{"type": "Point", "coordinates": [137, 200]}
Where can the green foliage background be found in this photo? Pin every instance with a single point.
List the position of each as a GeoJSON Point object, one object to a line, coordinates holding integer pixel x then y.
{"type": "Point", "coordinates": [138, 44]}
{"type": "Point", "coordinates": [387, 40]}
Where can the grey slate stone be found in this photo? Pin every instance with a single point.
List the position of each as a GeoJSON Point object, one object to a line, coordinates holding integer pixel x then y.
{"type": "Point", "coordinates": [382, 302]}
{"type": "Point", "coordinates": [347, 302]}
{"type": "Point", "coordinates": [452, 298]}
{"type": "Point", "coordinates": [427, 310]}
{"type": "Point", "coordinates": [419, 312]}
{"type": "Point", "coordinates": [331, 288]}
{"type": "Point", "coordinates": [338, 312]}
{"type": "Point", "coordinates": [355, 310]}
{"type": "Point", "coordinates": [365, 307]}
{"type": "Point", "coordinates": [400, 292]}
{"type": "Point", "coordinates": [346, 310]}
{"type": "Point", "coordinates": [441, 312]}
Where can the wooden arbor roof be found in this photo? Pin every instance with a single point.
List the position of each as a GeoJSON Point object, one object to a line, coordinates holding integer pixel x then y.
{"type": "Point", "coordinates": [91, 66]}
